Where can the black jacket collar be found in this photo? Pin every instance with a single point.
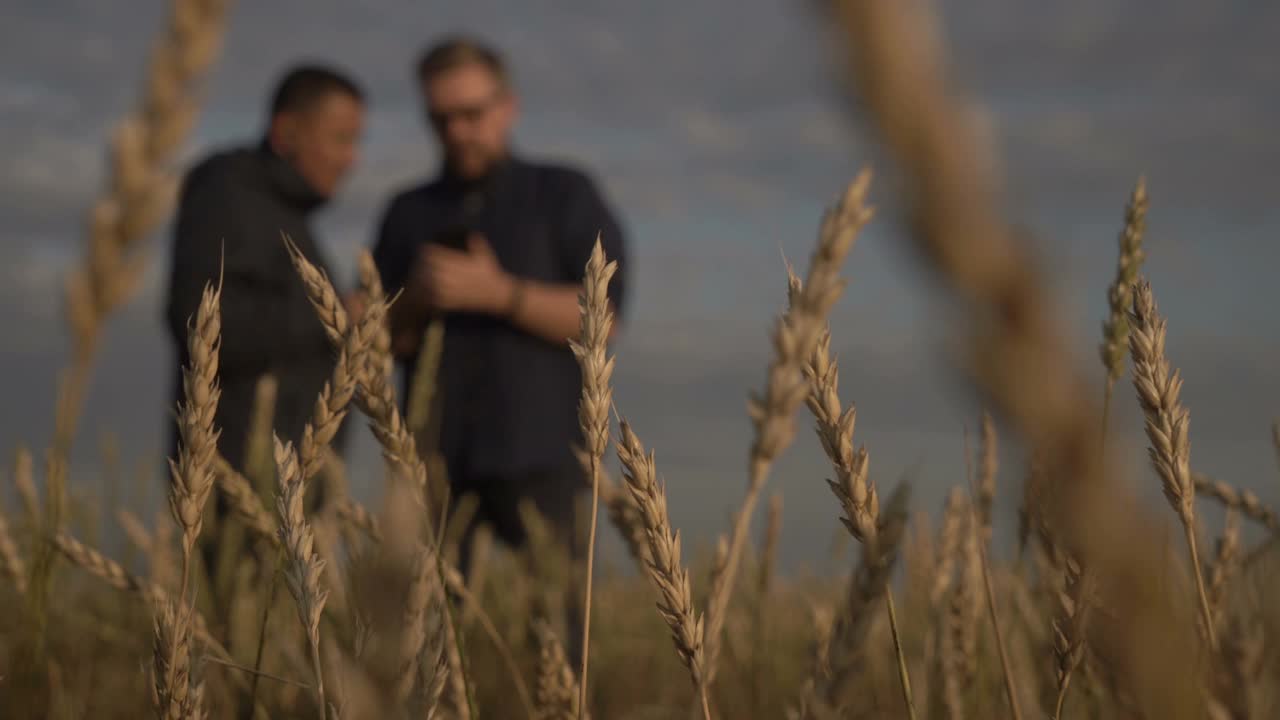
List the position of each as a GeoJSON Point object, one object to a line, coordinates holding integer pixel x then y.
{"type": "Point", "coordinates": [285, 180]}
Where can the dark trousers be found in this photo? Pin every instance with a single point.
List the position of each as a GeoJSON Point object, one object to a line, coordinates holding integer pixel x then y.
{"type": "Point", "coordinates": [557, 495]}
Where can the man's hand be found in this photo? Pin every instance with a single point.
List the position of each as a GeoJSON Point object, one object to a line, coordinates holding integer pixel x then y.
{"type": "Point", "coordinates": [470, 281]}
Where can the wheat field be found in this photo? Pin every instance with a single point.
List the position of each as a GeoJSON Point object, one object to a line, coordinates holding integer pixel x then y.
{"type": "Point", "coordinates": [1107, 607]}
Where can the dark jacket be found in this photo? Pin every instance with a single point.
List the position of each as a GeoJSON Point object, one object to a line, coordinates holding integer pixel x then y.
{"type": "Point", "coordinates": [232, 210]}
{"type": "Point", "coordinates": [508, 399]}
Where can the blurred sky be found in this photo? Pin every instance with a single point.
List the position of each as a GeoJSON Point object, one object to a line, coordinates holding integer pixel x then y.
{"type": "Point", "coordinates": [719, 131]}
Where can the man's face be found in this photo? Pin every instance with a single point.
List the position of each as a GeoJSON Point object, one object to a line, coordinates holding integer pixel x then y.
{"type": "Point", "coordinates": [321, 142]}
{"type": "Point", "coordinates": [471, 113]}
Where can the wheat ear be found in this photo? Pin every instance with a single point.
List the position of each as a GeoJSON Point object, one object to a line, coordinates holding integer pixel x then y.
{"type": "Point", "coordinates": [11, 564]}
{"type": "Point", "coordinates": [176, 692]}
{"type": "Point", "coordinates": [380, 340]}
{"type": "Point", "coordinates": [1167, 425]}
{"type": "Point", "coordinates": [1245, 502]}
{"type": "Point", "coordinates": [664, 566]}
{"type": "Point", "coordinates": [556, 695]}
{"type": "Point", "coordinates": [591, 350]}
{"type": "Point", "coordinates": [848, 637]}
{"type": "Point", "coordinates": [193, 470]}
{"type": "Point", "coordinates": [773, 411]}
{"type": "Point", "coordinates": [1226, 562]}
{"type": "Point", "coordinates": [856, 494]}
{"type": "Point", "coordinates": [303, 565]}
{"type": "Point", "coordinates": [1115, 329]}
{"type": "Point", "coordinates": [1070, 628]}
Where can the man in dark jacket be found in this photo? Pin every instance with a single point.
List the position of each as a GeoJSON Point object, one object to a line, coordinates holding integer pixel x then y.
{"type": "Point", "coordinates": [233, 207]}
{"type": "Point", "coordinates": [497, 244]}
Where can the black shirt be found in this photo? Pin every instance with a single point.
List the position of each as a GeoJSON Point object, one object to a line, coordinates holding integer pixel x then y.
{"type": "Point", "coordinates": [231, 211]}
{"type": "Point", "coordinates": [508, 399]}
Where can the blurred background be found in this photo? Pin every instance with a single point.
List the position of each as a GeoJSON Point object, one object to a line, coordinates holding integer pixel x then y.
{"type": "Point", "coordinates": [719, 131]}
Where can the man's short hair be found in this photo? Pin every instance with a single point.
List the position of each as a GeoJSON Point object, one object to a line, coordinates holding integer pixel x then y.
{"type": "Point", "coordinates": [454, 51]}
{"type": "Point", "coordinates": [304, 86]}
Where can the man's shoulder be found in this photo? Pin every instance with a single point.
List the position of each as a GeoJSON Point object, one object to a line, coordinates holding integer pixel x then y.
{"type": "Point", "coordinates": [558, 174]}
{"type": "Point", "coordinates": [222, 167]}
{"type": "Point", "coordinates": [411, 194]}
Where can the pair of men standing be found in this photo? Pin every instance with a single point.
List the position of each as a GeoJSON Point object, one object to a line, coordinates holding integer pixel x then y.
{"type": "Point", "coordinates": [494, 242]}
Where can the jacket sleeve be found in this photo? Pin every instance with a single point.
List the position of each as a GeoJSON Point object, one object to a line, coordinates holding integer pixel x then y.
{"type": "Point", "coordinates": [215, 238]}
{"type": "Point", "coordinates": [587, 215]}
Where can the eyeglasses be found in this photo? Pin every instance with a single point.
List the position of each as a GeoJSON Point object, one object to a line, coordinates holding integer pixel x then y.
{"type": "Point", "coordinates": [469, 114]}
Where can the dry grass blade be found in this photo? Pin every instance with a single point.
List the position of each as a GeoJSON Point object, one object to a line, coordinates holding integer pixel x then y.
{"type": "Point", "coordinates": [773, 411]}
{"type": "Point", "coordinates": [1167, 425]}
{"type": "Point", "coordinates": [665, 568]}
{"type": "Point", "coordinates": [1018, 351]}
{"type": "Point", "coordinates": [303, 566]}
{"type": "Point", "coordinates": [591, 350]}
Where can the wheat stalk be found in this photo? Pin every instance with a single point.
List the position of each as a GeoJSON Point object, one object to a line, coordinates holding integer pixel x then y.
{"type": "Point", "coordinates": [24, 482]}
{"type": "Point", "coordinates": [591, 351]}
{"type": "Point", "coordinates": [1017, 350]}
{"type": "Point", "coordinates": [303, 565]}
{"type": "Point", "coordinates": [140, 187]}
{"type": "Point", "coordinates": [980, 528]}
{"type": "Point", "coordinates": [359, 517]}
{"type": "Point", "coordinates": [664, 566]}
{"type": "Point", "coordinates": [773, 411]}
{"type": "Point", "coordinates": [1167, 424]}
